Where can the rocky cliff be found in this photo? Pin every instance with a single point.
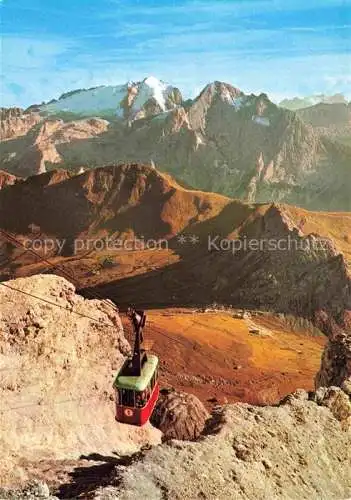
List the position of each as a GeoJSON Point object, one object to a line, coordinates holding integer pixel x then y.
{"type": "Point", "coordinates": [294, 451]}
{"type": "Point", "coordinates": [38, 149]}
{"type": "Point", "coordinates": [56, 360]}
{"type": "Point", "coordinates": [15, 122]}
{"type": "Point", "coordinates": [336, 361]}
{"type": "Point", "coordinates": [58, 355]}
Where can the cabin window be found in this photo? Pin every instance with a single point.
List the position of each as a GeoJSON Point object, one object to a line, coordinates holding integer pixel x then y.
{"type": "Point", "coordinates": [141, 398]}
{"type": "Point", "coordinates": [126, 397]}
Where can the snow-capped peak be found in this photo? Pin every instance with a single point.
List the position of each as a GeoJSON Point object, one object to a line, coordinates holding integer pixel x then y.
{"type": "Point", "coordinates": [149, 88]}
{"type": "Point", "coordinates": [152, 81]}
{"type": "Point", "coordinates": [126, 101]}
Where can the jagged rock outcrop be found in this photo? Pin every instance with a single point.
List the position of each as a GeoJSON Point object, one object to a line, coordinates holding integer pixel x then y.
{"type": "Point", "coordinates": [41, 151]}
{"type": "Point", "coordinates": [338, 401]}
{"type": "Point", "coordinates": [212, 94]}
{"type": "Point", "coordinates": [294, 451]}
{"type": "Point", "coordinates": [303, 262]}
{"type": "Point", "coordinates": [179, 416]}
{"type": "Point", "coordinates": [335, 368]}
{"type": "Point", "coordinates": [15, 122]}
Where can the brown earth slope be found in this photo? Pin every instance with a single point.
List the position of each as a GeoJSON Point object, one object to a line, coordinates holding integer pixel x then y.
{"type": "Point", "coordinates": [285, 260]}
{"type": "Point", "coordinates": [123, 201]}
{"type": "Point", "coordinates": [221, 357]}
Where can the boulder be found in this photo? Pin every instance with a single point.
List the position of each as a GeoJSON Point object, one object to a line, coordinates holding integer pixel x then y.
{"type": "Point", "coordinates": [179, 416]}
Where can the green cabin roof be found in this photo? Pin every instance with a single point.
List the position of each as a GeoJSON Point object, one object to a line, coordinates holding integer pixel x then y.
{"type": "Point", "coordinates": [137, 383]}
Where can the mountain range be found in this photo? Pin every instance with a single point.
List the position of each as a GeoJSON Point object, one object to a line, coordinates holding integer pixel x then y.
{"type": "Point", "coordinates": [224, 140]}
{"type": "Point", "coordinates": [305, 102]}
{"type": "Point", "coordinates": [197, 265]}
{"type": "Point", "coordinates": [236, 315]}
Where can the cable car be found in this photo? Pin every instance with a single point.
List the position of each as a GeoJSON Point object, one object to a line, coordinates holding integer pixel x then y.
{"type": "Point", "coordinates": [136, 384]}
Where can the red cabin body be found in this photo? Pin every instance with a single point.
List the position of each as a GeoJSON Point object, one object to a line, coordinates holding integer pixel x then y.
{"type": "Point", "coordinates": [136, 396]}
{"type": "Point", "coordinates": [137, 416]}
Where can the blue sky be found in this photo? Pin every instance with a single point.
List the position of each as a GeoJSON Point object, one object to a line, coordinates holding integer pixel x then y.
{"type": "Point", "coordinates": [281, 47]}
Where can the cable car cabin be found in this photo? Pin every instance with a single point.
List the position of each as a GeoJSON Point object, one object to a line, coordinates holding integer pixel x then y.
{"type": "Point", "coordinates": [136, 396]}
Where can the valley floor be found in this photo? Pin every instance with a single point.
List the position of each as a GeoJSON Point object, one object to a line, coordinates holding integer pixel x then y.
{"type": "Point", "coordinates": [256, 360]}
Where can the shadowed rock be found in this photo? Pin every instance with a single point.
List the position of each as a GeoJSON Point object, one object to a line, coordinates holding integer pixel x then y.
{"type": "Point", "coordinates": [179, 416]}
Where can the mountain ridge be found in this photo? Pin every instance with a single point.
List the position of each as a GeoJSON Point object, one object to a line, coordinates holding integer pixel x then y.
{"type": "Point", "coordinates": [225, 141]}
{"type": "Point", "coordinates": [296, 103]}
{"type": "Point", "coordinates": [136, 203]}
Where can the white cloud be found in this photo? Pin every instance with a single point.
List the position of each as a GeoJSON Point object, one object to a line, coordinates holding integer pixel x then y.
{"type": "Point", "coordinates": [304, 75]}
{"type": "Point", "coordinates": [213, 8]}
{"type": "Point", "coordinates": [30, 68]}
{"type": "Point", "coordinates": [290, 61]}
{"type": "Point", "coordinates": [336, 83]}
{"type": "Point", "coordinates": [28, 52]}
